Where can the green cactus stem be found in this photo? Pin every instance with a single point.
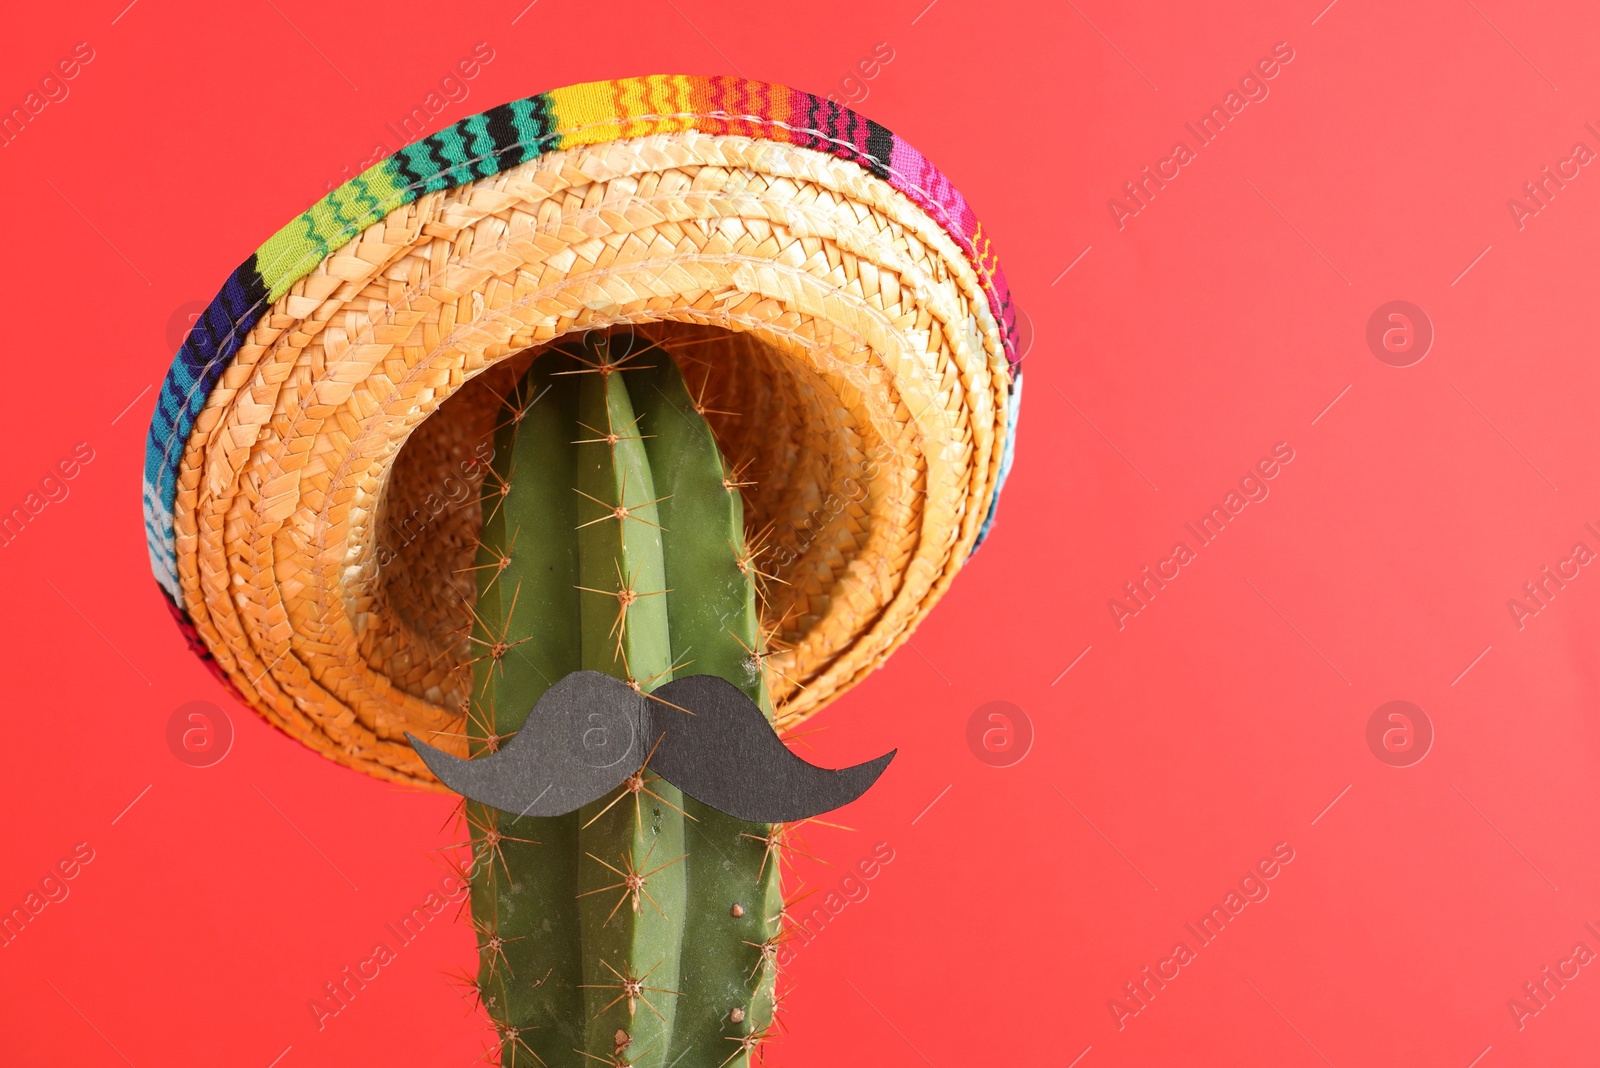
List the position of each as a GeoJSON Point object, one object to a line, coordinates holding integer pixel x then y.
{"type": "Point", "coordinates": [642, 929]}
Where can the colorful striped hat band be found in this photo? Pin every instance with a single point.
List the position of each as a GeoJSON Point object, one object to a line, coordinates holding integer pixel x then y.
{"type": "Point", "coordinates": [331, 406]}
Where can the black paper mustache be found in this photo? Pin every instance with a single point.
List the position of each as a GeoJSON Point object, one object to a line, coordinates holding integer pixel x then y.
{"type": "Point", "coordinates": [701, 733]}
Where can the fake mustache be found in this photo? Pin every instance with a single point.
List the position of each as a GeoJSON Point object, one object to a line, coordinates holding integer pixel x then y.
{"type": "Point", "coordinates": [701, 733]}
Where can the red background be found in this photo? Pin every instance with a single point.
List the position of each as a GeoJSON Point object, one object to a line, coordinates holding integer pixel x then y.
{"type": "Point", "coordinates": [1221, 720]}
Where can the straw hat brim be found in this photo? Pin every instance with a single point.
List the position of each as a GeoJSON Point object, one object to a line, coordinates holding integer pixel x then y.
{"type": "Point", "coordinates": [332, 406]}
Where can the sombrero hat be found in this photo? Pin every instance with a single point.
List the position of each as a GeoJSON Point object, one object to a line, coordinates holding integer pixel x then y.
{"type": "Point", "coordinates": [330, 408]}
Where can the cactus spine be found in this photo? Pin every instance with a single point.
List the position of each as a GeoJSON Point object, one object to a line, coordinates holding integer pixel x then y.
{"type": "Point", "coordinates": [641, 929]}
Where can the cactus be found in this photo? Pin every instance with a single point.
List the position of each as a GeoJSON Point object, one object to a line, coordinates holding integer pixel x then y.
{"type": "Point", "coordinates": [643, 928]}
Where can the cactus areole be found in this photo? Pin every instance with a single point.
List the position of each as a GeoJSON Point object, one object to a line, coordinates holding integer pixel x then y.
{"type": "Point", "coordinates": [564, 460]}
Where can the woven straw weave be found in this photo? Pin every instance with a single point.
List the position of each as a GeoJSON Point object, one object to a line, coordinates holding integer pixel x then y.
{"type": "Point", "coordinates": [324, 506]}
